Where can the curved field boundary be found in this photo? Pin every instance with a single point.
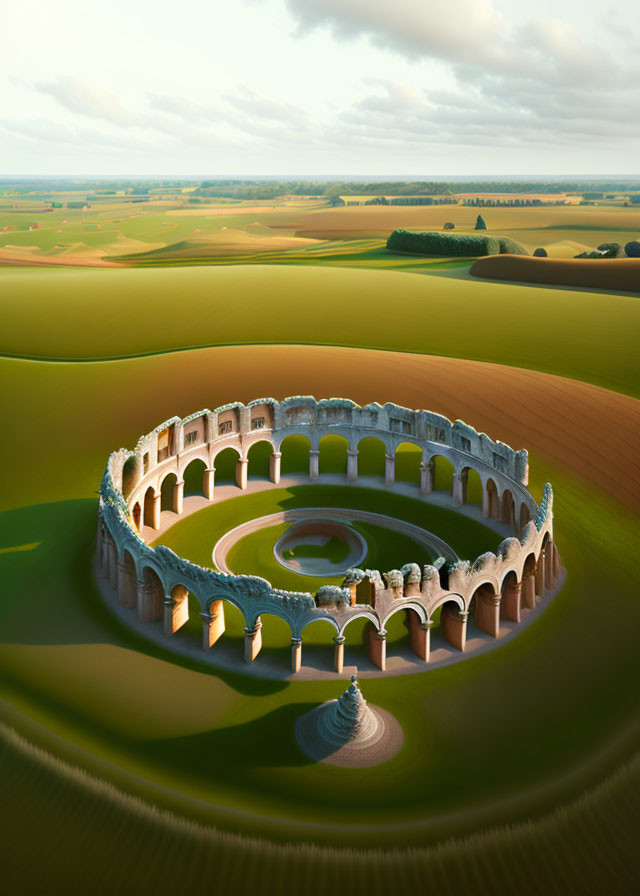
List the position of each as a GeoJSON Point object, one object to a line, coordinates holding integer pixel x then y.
{"type": "Point", "coordinates": [622, 274]}
{"type": "Point", "coordinates": [431, 541]}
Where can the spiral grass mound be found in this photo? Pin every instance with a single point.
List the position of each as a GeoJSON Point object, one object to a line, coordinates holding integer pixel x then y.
{"type": "Point", "coordinates": [349, 732]}
{"type": "Point", "coordinates": [494, 587]}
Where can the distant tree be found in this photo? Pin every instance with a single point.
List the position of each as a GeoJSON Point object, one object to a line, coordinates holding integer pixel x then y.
{"type": "Point", "coordinates": [449, 225]}
{"type": "Point", "coordinates": [611, 250]}
{"type": "Point", "coordinates": [480, 225]}
{"type": "Point", "coordinates": [633, 249]}
{"type": "Point", "coordinates": [540, 253]}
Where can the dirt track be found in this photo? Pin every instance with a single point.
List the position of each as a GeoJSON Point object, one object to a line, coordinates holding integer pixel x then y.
{"type": "Point", "coordinates": [592, 431]}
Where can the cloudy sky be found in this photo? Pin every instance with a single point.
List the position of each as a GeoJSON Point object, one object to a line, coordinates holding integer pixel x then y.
{"type": "Point", "coordinates": [344, 87]}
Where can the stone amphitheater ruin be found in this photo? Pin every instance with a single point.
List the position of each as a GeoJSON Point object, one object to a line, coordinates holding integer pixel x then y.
{"type": "Point", "coordinates": [156, 582]}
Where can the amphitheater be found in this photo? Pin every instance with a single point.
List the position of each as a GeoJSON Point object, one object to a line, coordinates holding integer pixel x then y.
{"type": "Point", "coordinates": [154, 583]}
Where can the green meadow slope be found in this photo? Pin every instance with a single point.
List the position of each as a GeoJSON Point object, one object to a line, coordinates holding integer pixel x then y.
{"type": "Point", "coordinates": [89, 313]}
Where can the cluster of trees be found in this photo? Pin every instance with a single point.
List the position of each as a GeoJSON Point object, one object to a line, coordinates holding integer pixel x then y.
{"type": "Point", "coordinates": [452, 244]}
{"type": "Point", "coordinates": [605, 250]}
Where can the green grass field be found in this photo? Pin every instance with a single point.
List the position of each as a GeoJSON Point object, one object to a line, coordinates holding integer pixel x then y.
{"type": "Point", "coordinates": [186, 773]}
{"type": "Point", "coordinates": [586, 336]}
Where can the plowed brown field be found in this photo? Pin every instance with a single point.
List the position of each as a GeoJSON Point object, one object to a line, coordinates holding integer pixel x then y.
{"type": "Point", "coordinates": [597, 273]}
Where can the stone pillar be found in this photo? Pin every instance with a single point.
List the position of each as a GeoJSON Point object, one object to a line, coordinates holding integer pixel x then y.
{"type": "Point", "coordinates": [274, 467]}
{"type": "Point", "coordinates": [338, 653]}
{"type": "Point", "coordinates": [529, 591]}
{"type": "Point", "coordinates": [352, 466]}
{"type": "Point", "coordinates": [157, 506]}
{"type": "Point", "coordinates": [124, 585]}
{"type": "Point", "coordinates": [454, 627]}
{"type": "Point", "coordinates": [296, 654]}
{"type": "Point", "coordinates": [212, 624]}
{"type": "Point", "coordinates": [557, 567]}
{"type": "Point", "coordinates": [420, 636]}
{"type": "Point", "coordinates": [487, 617]}
{"type": "Point", "coordinates": [113, 565]}
{"type": "Point", "coordinates": [252, 642]}
{"type": "Point", "coordinates": [149, 607]}
{"type": "Point", "coordinates": [314, 465]}
{"type": "Point", "coordinates": [540, 575]}
{"type": "Point", "coordinates": [458, 490]}
{"type": "Point", "coordinates": [241, 472]}
{"type": "Point", "coordinates": [378, 648]}
{"type": "Point", "coordinates": [389, 470]}
{"type": "Point", "coordinates": [208, 483]}
{"type": "Point", "coordinates": [426, 479]}
{"type": "Point", "coordinates": [511, 601]}
{"type": "Point", "coordinates": [178, 496]}
{"type": "Point", "coordinates": [548, 566]}
{"type": "Point", "coordinates": [486, 504]}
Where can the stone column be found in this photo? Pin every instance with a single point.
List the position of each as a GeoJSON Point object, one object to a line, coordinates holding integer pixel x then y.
{"type": "Point", "coordinates": [314, 465]}
{"type": "Point", "coordinates": [296, 654]}
{"type": "Point", "coordinates": [487, 617]}
{"type": "Point", "coordinates": [252, 642]}
{"type": "Point", "coordinates": [458, 490]}
{"type": "Point", "coordinates": [511, 601]}
{"type": "Point", "coordinates": [540, 575]}
{"type": "Point", "coordinates": [122, 571]}
{"type": "Point", "coordinates": [167, 620]}
{"type": "Point", "coordinates": [241, 472]}
{"type": "Point", "coordinates": [338, 653]}
{"type": "Point", "coordinates": [148, 611]}
{"type": "Point", "coordinates": [389, 469]}
{"type": "Point", "coordinates": [426, 479]}
{"type": "Point", "coordinates": [157, 505]}
{"type": "Point", "coordinates": [454, 626]}
{"type": "Point", "coordinates": [352, 466]}
{"type": "Point", "coordinates": [212, 624]}
{"type": "Point", "coordinates": [557, 567]}
{"type": "Point", "coordinates": [274, 467]}
{"type": "Point", "coordinates": [113, 565]}
{"type": "Point", "coordinates": [529, 591]}
{"type": "Point", "coordinates": [548, 566]}
{"type": "Point", "coordinates": [378, 648]}
{"type": "Point", "coordinates": [486, 504]}
{"type": "Point", "coordinates": [208, 482]}
{"type": "Point", "coordinates": [420, 636]}
{"type": "Point", "coordinates": [178, 496]}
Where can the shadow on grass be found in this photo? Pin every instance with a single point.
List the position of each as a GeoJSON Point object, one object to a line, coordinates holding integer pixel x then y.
{"type": "Point", "coordinates": [268, 741]}
{"type": "Point", "coordinates": [49, 596]}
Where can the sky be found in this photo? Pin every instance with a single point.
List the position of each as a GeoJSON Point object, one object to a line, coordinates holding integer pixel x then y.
{"type": "Point", "coordinates": [327, 87]}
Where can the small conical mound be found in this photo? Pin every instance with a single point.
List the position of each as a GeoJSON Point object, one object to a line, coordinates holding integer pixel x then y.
{"type": "Point", "coordinates": [349, 718]}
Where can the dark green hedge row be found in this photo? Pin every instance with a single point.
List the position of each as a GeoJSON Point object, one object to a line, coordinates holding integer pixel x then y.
{"type": "Point", "coordinates": [452, 244]}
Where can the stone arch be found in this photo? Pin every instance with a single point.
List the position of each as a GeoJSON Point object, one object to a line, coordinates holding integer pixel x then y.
{"type": "Point", "coordinates": [178, 616]}
{"type": "Point", "coordinates": [408, 457]}
{"type": "Point", "coordinates": [136, 515]}
{"type": "Point", "coordinates": [442, 472]}
{"type": "Point", "coordinates": [471, 486]}
{"type": "Point", "coordinates": [129, 475]}
{"type": "Point", "coordinates": [193, 475]}
{"type": "Point", "coordinates": [511, 596]}
{"type": "Point", "coordinates": [150, 595]}
{"type": "Point", "coordinates": [127, 579]}
{"type": "Point", "coordinates": [295, 454]}
{"type": "Point", "coordinates": [167, 491]}
{"type": "Point", "coordinates": [484, 608]}
{"type": "Point", "coordinates": [508, 508]}
{"type": "Point", "coordinates": [258, 458]}
{"type": "Point", "coordinates": [371, 457]}
{"type": "Point", "coordinates": [149, 507]}
{"type": "Point", "coordinates": [492, 502]}
{"type": "Point", "coordinates": [333, 454]}
{"type": "Point", "coordinates": [320, 643]}
{"type": "Point", "coordinates": [450, 617]}
{"type": "Point", "coordinates": [525, 515]}
{"type": "Point", "coordinates": [356, 634]}
{"type": "Point", "coordinates": [276, 633]}
{"type": "Point", "coordinates": [225, 463]}
{"type": "Point", "coordinates": [528, 601]}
